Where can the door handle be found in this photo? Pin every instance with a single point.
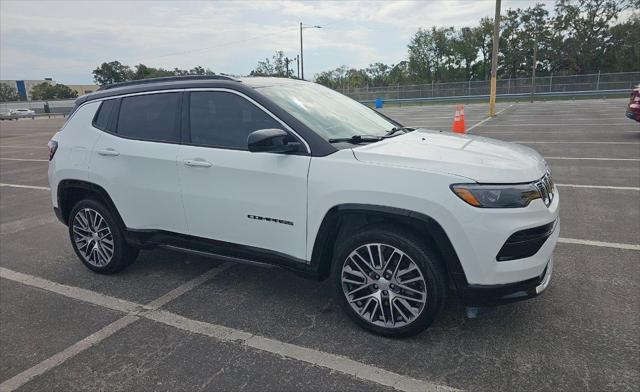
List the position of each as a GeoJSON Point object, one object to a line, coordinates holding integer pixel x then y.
{"type": "Point", "coordinates": [108, 152]}
{"type": "Point", "coordinates": [198, 162]}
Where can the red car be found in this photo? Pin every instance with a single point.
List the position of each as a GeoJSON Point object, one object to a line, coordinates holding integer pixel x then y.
{"type": "Point", "coordinates": [633, 110]}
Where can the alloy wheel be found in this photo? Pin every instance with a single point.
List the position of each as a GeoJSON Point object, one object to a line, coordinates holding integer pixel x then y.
{"type": "Point", "coordinates": [93, 237]}
{"type": "Point", "coordinates": [383, 285]}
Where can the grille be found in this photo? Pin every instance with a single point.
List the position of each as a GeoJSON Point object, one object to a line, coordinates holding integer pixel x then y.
{"type": "Point", "coordinates": [545, 187]}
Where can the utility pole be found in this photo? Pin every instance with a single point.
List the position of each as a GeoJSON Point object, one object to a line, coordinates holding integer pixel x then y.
{"type": "Point", "coordinates": [301, 56]}
{"type": "Point", "coordinates": [535, 62]}
{"type": "Point", "coordinates": [494, 60]}
{"type": "Point", "coordinates": [287, 60]}
{"type": "Point", "coordinates": [298, 64]}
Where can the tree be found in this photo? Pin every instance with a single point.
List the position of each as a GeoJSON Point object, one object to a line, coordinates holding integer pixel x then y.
{"type": "Point", "coordinates": [45, 91]}
{"type": "Point", "coordinates": [277, 66]}
{"type": "Point", "coordinates": [8, 93]}
{"type": "Point", "coordinates": [421, 56]}
{"type": "Point", "coordinates": [585, 29]}
{"type": "Point", "coordinates": [141, 71]}
{"type": "Point", "coordinates": [624, 53]}
{"type": "Point", "coordinates": [466, 45]}
{"type": "Point", "coordinates": [483, 37]}
{"type": "Point", "coordinates": [112, 72]}
{"type": "Point", "coordinates": [115, 72]}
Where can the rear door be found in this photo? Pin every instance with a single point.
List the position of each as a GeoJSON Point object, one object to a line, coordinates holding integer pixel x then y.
{"type": "Point", "coordinates": [231, 194]}
{"type": "Point", "coordinates": [134, 160]}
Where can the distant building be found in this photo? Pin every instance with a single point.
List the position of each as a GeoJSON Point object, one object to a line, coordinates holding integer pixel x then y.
{"type": "Point", "coordinates": [83, 89]}
{"type": "Point", "coordinates": [24, 87]}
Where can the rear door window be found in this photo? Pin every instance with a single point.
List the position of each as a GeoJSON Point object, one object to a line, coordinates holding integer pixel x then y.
{"type": "Point", "coordinates": [151, 117]}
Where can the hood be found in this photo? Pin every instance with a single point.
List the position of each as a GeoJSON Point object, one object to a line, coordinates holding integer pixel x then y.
{"type": "Point", "coordinates": [478, 158]}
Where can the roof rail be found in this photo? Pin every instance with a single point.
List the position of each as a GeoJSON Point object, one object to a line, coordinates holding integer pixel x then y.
{"type": "Point", "coordinates": [166, 79]}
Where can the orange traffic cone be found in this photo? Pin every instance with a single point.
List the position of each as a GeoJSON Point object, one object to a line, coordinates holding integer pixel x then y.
{"type": "Point", "coordinates": [458, 120]}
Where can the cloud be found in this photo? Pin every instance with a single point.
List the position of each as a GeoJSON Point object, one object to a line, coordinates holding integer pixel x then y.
{"type": "Point", "coordinates": [67, 39]}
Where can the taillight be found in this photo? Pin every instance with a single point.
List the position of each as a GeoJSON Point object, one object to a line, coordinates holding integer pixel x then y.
{"type": "Point", "coordinates": [53, 147]}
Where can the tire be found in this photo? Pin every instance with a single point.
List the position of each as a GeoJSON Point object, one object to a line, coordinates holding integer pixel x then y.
{"type": "Point", "coordinates": [398, 303]}
{"type": "Point", "coordinates": [97, 238]}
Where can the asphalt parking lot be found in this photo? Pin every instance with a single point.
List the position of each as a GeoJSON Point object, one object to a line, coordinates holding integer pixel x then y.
{"type": "Point", "coordinates": [176, 322]}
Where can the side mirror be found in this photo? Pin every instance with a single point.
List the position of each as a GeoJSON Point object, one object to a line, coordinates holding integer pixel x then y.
{"type": "Point", "coordinates": [271, 140]}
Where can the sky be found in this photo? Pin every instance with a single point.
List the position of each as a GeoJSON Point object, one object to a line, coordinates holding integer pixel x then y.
{"type": "Point", "coordinates": [66, 40]}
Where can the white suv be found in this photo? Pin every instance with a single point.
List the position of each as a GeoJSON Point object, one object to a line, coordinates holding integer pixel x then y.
{"type": "Point", "coordinates": [293, 174]}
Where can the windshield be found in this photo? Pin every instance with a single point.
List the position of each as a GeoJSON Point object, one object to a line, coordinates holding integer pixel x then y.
{"type": "Point", "coordinates": [330, 114]}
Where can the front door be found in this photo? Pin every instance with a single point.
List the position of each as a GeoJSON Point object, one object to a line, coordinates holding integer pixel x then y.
{"type": "Point", "coordinates": [231, 194]}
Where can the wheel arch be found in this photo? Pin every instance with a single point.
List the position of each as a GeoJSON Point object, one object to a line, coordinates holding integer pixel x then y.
{"type": "Point", "coordinates": [345, 218]}
{"type": "Point", "coordinates": [72, 191]}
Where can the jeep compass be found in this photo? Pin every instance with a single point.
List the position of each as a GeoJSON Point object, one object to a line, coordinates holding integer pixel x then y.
{"type": "Point", "coordinates": [290, 173]}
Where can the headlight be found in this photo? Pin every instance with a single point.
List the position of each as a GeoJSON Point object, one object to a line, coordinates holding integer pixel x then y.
{"type": "Point", "coordinates": [497, 196]}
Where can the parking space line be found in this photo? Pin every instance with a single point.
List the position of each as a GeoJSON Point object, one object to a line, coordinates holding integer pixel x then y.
{"type": "Point", "coordinates": [488, 118]}
{"type": "Point", "coordinates": [315, 357]}
{"type": "Point", "coordinates": [42, 188]}
{"type": "Point", "coordinates": [21, 146]}
{"type": "Point", "coordinates": [529, 125]}
{"type": "Point", "coordinates": [598, 243]}
{"type": "Point", "coordinates": [77, 293]}
{"type": "Point", "coordinates": [24, 377]}
{"type": "Point", "coordinates": [594, 159]}
{"type": "Point", "coordinates": [187, 286]}
{"type": "Point", "coordinates": [622, 188]}
{"type": "Point", "coordinates": [22, 159]}
{"type": "Point", "coordinates": [571, 142]}
{"type": "Point", "coordinates": [226, 334]}
{"type": "Point", "coordinates": [564, 132]}
{"type": "Point", "coordinates": [134, 310]}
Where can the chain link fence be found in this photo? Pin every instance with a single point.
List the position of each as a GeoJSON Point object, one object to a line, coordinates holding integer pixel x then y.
{"type": "Point", "coordinates": [546, 85]}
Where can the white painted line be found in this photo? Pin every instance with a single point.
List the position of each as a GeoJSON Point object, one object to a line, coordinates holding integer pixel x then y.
{"type": "Point", "coordinates": [599, 243]}
{"type": "Point", "coordinates": [43, 188]}
{"type": "Point", "coordinates": [487, 119]}
{"type": "Point", "coordinates": [530, 125]}
{"type": "Point", "coordinates": [95, 298]}
{"type": "Point", "coordinates": [20, 146]}
{"type": "Point", "coordinates": [187, 286]}
{"type": "Point", "coordinates": [26, 160]}
{"type": "Point", "coordinates": [77, 293]}
{"type": "Point", "coordinates": [315, 357]}
{"type": "Point", "coordinates": [20, 379]}
{"type": "Point", "coordinates": [319, 358]}
{"type": "Point", "coordinates": [26, 223]}
{"type": "Point", "coordinates": [622, 188]}
{"type": "Point", "coordinates": [595, 159]}
{"type": "Point", "coordinates": [549, 132]}
{"type": "Point", "coordinates": [568, 142]}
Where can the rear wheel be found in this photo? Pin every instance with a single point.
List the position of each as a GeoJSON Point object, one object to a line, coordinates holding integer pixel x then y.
{"type": "Point", "coordinates": [389, 281]}
{"type": "Point", "coordinates": [97, 239]}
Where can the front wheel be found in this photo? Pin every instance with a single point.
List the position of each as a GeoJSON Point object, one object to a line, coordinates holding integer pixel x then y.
{"type": "Point", "coordinates": [389, 281]}
{"type": "Point", "coordinates": [97, 239]}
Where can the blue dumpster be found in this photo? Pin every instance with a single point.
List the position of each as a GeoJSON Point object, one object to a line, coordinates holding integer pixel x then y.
{"type": "Point", "coordinates": [379, 103]}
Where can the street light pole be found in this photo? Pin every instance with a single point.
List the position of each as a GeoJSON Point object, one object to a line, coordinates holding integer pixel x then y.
{"type": "Point", "coordinates": [494, 60]}
{"type": "Point", "coordinates": [301, 55]}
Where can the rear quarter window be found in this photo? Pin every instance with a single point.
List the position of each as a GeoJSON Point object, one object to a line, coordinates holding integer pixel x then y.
{"type": "Point", "coordinates": [104, 114]}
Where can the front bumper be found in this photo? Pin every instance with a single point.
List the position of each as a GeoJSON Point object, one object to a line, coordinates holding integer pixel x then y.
{"type": "Point", "coordinates": [633, 115]}
{"type": "Point", "coordinates": [484, 295]}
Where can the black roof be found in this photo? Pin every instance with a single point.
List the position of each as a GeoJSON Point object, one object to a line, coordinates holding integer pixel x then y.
{"type": "Point", "coordinates": [165, 79]}
{"type": "Point", "coordinates": [184, 82]}
{"type": "Point", "coordinates": [167, 83]}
